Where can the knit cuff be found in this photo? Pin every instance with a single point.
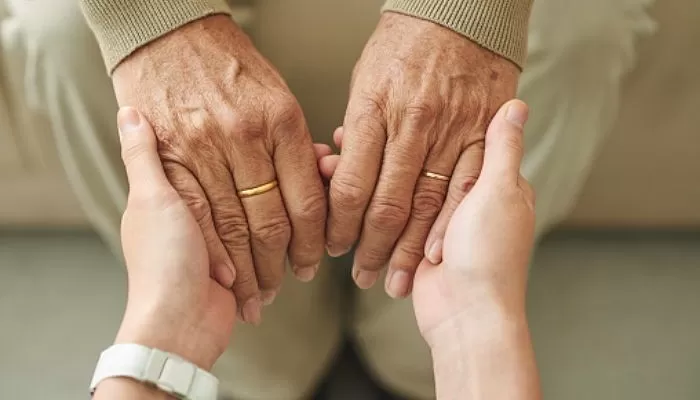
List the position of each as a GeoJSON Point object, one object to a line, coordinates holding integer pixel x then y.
{"type": "Point", "coordinates": [498, 25]}
{"type": "Point", "coordinates": [122, 26]}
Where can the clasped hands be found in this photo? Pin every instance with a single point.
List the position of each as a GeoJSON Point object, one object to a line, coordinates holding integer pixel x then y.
{"type": "Point", "coordinates": [225, 121]}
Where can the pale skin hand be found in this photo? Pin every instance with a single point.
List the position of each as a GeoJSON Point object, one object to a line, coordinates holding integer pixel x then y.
{"type": "Point", "coordinates": [173, 303]}
{"type": "Point", "coordinates": [421, 97]}
{"type": "Point", "coordinates": [470, 307]}
{"type": "Point", "coordinates": [226, 121]}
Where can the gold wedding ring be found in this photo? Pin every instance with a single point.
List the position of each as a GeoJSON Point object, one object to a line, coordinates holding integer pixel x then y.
{"type": "Point", "coordinates": [258, 190]}
{"type": "Point", "coordinates": [434, 175]}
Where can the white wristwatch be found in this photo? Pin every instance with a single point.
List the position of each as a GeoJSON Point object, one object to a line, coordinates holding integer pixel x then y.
{"type": "Point", "coordinates": [164, 370]}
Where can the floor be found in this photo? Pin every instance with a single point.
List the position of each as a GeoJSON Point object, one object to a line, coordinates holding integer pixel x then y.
{"type": "Point", "coordinates": [614, 316]}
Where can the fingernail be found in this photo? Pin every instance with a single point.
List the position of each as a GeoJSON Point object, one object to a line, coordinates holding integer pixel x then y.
{"type": "Point", "coordinates": [268, 296]}
{"type": "Point", "coordinates": [251, 311]}
{"type": "Point", "coordinates": [335, 251]}
{"type": "Point", "coordinates": [435, 252]}
{"type": "Point", "coordinates": [224, 275]}
{"type": "Point", "coordinates": [364, 279]}
{"type": "Point", "coordinates": [397, 283]}
{"type": "Point", "coordinates": [129, 120]}
{"type": "Point", "coordinates": [305, 274]}
{"type": "Point", "coordinates": [516, 113]}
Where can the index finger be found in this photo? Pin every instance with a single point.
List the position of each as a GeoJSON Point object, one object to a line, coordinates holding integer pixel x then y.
{"type": "Point", "coordinates": [356, 175]}
{"type": "Point", "coordinates": [303, 196]}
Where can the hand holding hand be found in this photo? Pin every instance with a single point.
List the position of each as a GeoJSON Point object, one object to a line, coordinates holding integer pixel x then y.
{"type": "Point", "coordinates": [173, 303]}
{"type": "Point", "coordinates": [226, 122]}
{"type": "Point", "coordinates": [488, 240]}
{"type": "Point", "coordinates": [420, 99]}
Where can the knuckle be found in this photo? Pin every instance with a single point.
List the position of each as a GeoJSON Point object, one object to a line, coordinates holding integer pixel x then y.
{"type": "Point", "coordinates": [200, 209]}
{"type": "Point", "coordinates": [421, 112]}
{"type": "Point", "coordinates": [373, 258]}
{"type": "Point", "coordinates": [366, 117]}
{"type": "Point", "coordinates": [387, 215]}
{"type": "Point", "coordinates": [347, 193]}
{"type": "Point", "coordinates": [286, 110]}
{"type": "Point", "coordinates": [312, 210]}
{"type": "Point", "coordinates": [427, 204]}
{"type": "Point", "coordinates": [246, 285]}
{"type": "Point", "coordinates": [233, 231]}
{"type": "Point", "coordinates": [456, 193]}
{"type": "Point", "coordinates": [408, 255]}
{"type": "Point", "coordinates": [275, 232]}
{"type": "Point", "coordinates": [245, 130]}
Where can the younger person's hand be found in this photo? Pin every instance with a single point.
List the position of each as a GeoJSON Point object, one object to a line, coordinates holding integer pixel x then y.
{"type": "Point", "coordinates": [173, 303]}
{"type": "Point", "coordinates": [470, 307]}
{"type": "Point", "coordinates": [488, 240]}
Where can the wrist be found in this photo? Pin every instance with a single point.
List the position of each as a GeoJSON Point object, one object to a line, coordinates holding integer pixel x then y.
{"type": "Point", "coordinates": [141, 22]}
{"type": "Point", "coordinates": [158, 326]}
{"type": "Point", "coordinates": [479, 318]}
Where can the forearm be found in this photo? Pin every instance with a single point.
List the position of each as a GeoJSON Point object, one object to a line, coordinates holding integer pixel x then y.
{"type": "Point", "coordinates": [486, 355]}
{"type": "Point", "coordinates": [498, 25]}
{"type": "Point", "coordinates": [122, 26]}
{"type": "Point", "coordinates": [125, 388]}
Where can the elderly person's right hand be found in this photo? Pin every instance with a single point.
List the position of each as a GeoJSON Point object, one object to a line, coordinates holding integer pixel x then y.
{"type": "Point", "coordinates": [226, 122]}
{"type": "Point", "coordinates": [470, 308]}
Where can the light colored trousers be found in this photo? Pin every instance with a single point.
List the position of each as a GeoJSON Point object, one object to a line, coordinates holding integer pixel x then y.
{"type": "Point", "coordinates": [579, 52]}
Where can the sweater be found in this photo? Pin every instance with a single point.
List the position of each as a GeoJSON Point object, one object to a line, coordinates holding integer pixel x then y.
{"type": "Point", "coordinates": [122, 26]}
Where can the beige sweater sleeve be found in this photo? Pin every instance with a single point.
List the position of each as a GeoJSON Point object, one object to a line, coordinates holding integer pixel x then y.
{"type": "Point", "coordinates": [498, 25]}
{"type": "Point", "coordinates": [122, 26]}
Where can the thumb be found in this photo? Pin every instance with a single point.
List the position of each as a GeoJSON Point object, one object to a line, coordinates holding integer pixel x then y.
{"type": "Point", "coordinates": [144, 169]}
{"type": "Point", "coordinates": [504, 143]}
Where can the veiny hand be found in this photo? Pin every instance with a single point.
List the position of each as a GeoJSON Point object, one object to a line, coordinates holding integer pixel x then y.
{"type": "Point", "coordinates": [173, 304]}
{"type": "Point", "coordinates": [488, 241]}
{"type": "Point", "coordinates": [420, 99]}
{"type": "Point", "coordinates": [226, 121]}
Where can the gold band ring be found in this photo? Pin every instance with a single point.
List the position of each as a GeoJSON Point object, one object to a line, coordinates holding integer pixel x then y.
{"type": "Point", "coordinates": [258, 190]}
{"type": "Point", "coordinates": [433, 175]}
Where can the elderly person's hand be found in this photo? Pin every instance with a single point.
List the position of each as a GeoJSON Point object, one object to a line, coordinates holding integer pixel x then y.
{"type": "Point", "coordinates": [420, 99]}
{"type": "Point", "coordinates": [229, 130]}
{"type": "Point", "coordinates": [470, 307]}
{"type": "Point", "coordinates": [174, 304]}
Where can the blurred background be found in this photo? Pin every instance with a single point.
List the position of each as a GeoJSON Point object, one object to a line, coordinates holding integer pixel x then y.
{"type": "Point", "coordinates": [614, 292]}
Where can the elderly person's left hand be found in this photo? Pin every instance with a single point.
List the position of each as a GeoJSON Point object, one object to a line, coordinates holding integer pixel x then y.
{"type": "Point", "coordinates": [420, 100]}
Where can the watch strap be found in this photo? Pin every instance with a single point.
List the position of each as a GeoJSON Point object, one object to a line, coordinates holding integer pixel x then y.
{"type": "Point", "coordinates": [167, 371]}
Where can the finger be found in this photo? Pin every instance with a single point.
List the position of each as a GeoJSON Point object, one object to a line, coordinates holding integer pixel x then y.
{"type": "Point", "coordinates": [270, 231]}
{"type": "Point", "coordinates": [504, 143]}
{"type": "Point", "coordinates": [189, 190]}
{"type": "Point", "coordinates": [338, 137]}
{"type": "Point", "coordinates": [463, 179]}
{"type": "Point", "coordinates": [232, 228]}
{"type": "Point", "coordinates": [327, 166]}
{"type": "Point", "coordinates": [390, 206]}
{"type": "Point", "coordinates": [304, 195]}
{"type": "Point", "coordinates": [428, 199]}
{"type": "Point", "coordinates": [355, 177]}
{"type": "Point", "coordinates": [140, 153]}
{"type": "Point", "coordinates": [322, 150]}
